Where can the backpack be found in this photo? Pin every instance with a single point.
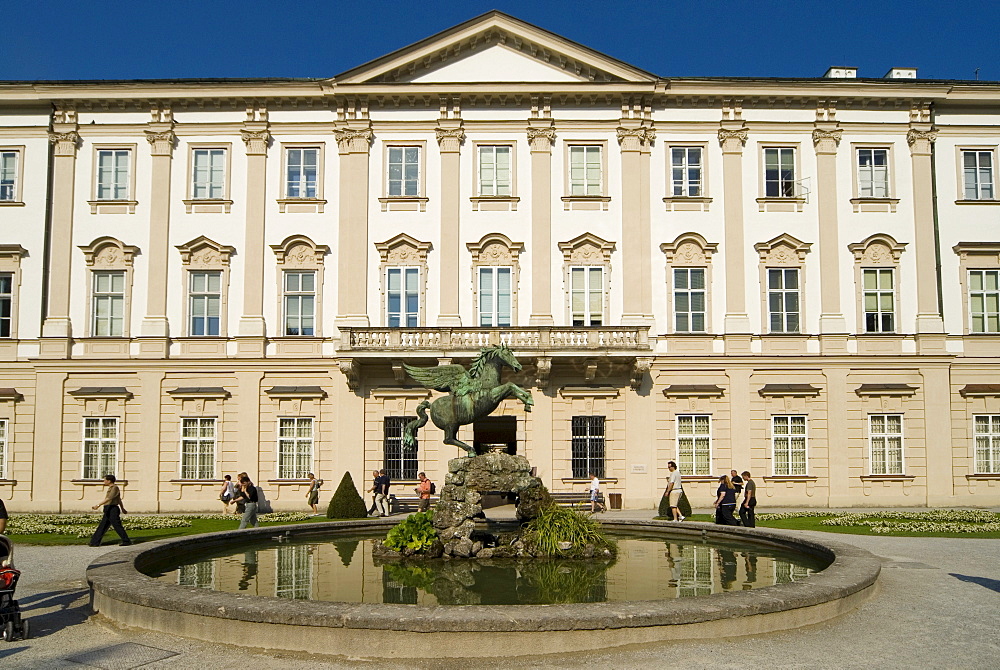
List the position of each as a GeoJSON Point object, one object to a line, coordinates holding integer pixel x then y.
{"type": "Point", "coordinates": [434, 488]}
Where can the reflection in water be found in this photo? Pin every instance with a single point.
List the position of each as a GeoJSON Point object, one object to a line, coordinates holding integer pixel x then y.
{"type": "Point", "coordinates": [344, 571]}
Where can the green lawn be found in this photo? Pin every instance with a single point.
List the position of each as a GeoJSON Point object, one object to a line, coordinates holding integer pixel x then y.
{"type": "Point", "coordinates": [813, 523]}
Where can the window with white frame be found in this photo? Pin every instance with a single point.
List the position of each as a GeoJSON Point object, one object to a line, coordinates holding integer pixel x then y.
{"type": "Point", "coordinates": [404, 171]}
{"type": "Point", "coordinates": [6, 304]}
{"type": "Point", "coordinates": [587, 295]}
{"type": "Point", "coordinates": [977, 174]}
{"type": "Point", "coordinates": [113, 179]}
{"type": "Point", "coordinates": [984, 301]}
{"type": "Point", "coordinates": [399, 463]}
{"type": "Point", "coordinates": [495, 169]}
{"type": "Point", "coordinates": [788, 444]}
{"type": "Point", "coordinates": [585, 170]}
{"type": "Point", "coordinates": [697, 574]}
{"type": "Point", "coordinates": [300, 303]}
{"type": "Point", "coordinates": [200, 575]}
{"type": "Point", "coordinates": [3, 448]}
{"type": "Point", "coordinates": [108, 304]}
{"type": "Point", "coordinates": [873, 173]}
{"type": "Point", "coordinates": [986, 429]}
{"type": "Point", "coordinates": [100, 447]}
{"type": "Point", "coordinates": [686, 171]}
{"type": "Point", "coordinates": [885, 436]}
{"type": "Point", "coordinates": [208, 178]}
{"type": "Point", "coordinates": [295, 447]}
{"type": "Point", "coordinates": [494, 296]}
{"type": "Point", "coordinates": [783, 300]}
{"type": "Point", "coordinates": [205, 303]}
{"type": "Point", "coordinates": [8, 175]}
{"type": "Point", "coordinates": [689, 300]}
{"type": "Point", "coordinates": [293, 576]}
{"type": "Point", "coordinates": [694, 444]}
{"type": "Point", "coordinates": [587, 446]}
{"type": "Point", "coordinates": [879, 299]}
{"type": "Point", "coordinates": [197, 448]}
{"type": "Point", "coordinates": [779, 172]}
{"type": "Point", "coordinates": [402, 297]}
{"type": "Point", "coordinates": [301, 172]}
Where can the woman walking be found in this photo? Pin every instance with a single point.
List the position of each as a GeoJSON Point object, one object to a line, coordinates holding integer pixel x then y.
{"type": "Point", "coordinates": [227, 493]}
{"type": "Point", "coordinates": [725, 504]}
{"type": "Point", "coordinates": [248, 494]}
{"type": "Point", "coordinates": [313, 496]}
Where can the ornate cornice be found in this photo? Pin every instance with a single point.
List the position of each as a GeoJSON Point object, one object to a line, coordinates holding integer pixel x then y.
{"type": "Point", "coordinates": [449, 139]}
{"type": "Point", "coordinates": [826, 140]}
{"type": "Point", "coordinates": [161, 142]}
{"type": "Point", "coordinates": [65, 144]}
{"type": "Point", "coordinates": [354, 141]}
{"type": "Point", "coordinates": [634, 139]}
{"type": "Point", "coordinates": [256, 141]}
{"type": "Point", "coordinates": [732, 140]}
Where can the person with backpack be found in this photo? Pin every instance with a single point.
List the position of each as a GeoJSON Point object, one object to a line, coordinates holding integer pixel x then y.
{"type": "Point", "coordinates": [312, 496]}
{"type": "Point", "coordinates": [425, 489]}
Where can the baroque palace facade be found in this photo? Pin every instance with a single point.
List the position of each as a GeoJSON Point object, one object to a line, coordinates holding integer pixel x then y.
{"type": "Point", "coordinates": [799, 277]}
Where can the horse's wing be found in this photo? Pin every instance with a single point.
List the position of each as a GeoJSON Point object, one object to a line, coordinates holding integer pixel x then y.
{"type": "Point", "coordinates": [441, 378]}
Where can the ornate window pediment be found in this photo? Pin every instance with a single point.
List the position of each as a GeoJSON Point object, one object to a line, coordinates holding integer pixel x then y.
{"type": "Point", "coordinates": [298, 251]}
{"type": "Point", "coordinates": [495, 276]}
{"type": "Point", "coordinates": [108, 252]}
{"type": "Point", "coordinates": [689, 249]}
{"type": "Point", "coordinates": [403, 250]}
{"type": "Point", "coordinates": [205, 252]}
{"type": "Point", "coordinates": [495, 249]}
{"type": "Point", "coordinates": [783, 250]}
{"type": "Point", "coordinates": [587, 249]}
{"type": "Point", "coordinates": [877, 249]}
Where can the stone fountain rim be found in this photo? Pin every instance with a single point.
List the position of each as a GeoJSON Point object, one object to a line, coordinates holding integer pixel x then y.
{"type": "Point", "coordinates": [117, 576]}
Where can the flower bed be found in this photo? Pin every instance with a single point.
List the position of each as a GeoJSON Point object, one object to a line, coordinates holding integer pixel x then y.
{"type": "Point", "coordinates": [83, 525]}
{"type": "Point", "coordinates": [883, 522]}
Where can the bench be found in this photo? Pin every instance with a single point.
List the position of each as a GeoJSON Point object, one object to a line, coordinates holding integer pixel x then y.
{"type": "Point", "coordinates": [406, 504]}
{"type": "Point", "coordinates": [575, 498]}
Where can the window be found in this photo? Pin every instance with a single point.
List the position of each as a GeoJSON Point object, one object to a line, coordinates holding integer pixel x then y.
{"type": "Point", "coordinates": [295, 447]}
{"type": "Point", "coordinates": [788, 444]}
{"type": "Point", "coordinates": [779, 172]}
{"type": "Point", "coordinates": [977, 172]}
{"type": "Point", "coordinates": [300, 303]}
{"type": "Point", "coordinates": [208, 180]}
{"type": "Point", "coordinates": [404, 171]}
{"type": "Point", "coordinates": [588, 446]}
{"type": "Point", "coordinates": [984, 300]}
{"type": "Point", "coordinates": [8, 175]}
{"type": "Point", "coordinates": [697, 576]}
{"type": "Point", "coordinates": [987, 435]}
{"type": "Point", "coordinates": [585, 168]}
{"type": "Point", "coordinates": [108, 304]}
{"type": "Point", "coordinates": [587, 296]}
{"type": "Point", "coordinates": [3, 448]}
{"type": "Point", "coordinates": [686, 171]}
{"type": "Point", "coordinates": [783, 299]}
{"type": "Point", "coordinates": [879, 298]}
{"type": "Point", "coordinates": [694, 444]}
{"type": "Point", "coordinates": [6, 304]}
{"type": "Point", "coordinates": [873, 173]}
{"type": "Point", "coordinates": [205, 296]}
{"type": "Point", "coordinates": [689, 300]}
{"type": "Point", "coordinates": [200, 575]}
{"type": "Point", "coordinates": [197, 448]}
{"type": "Point", "coordinates": [113, 174]}
{"type": "Point", "coordinates": [302, 169]}
{"type": "Point", "coordinates": [494, 296]}
{"type": "Point", "coordinates": [399, 463]}
{"type": "Point", "coordinates": [294, 572]}
{"type": "Point", "coordinates": [885, 434]}
{"type": "Point", "coordinates": [403, 297]}
{"type": "Point", "coordinates": [100, 447]}
{"type": "Point", "coordinates": [495, 170]}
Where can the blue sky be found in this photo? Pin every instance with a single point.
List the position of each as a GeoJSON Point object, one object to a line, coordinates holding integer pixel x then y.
{"type": "Point", "coordinates": [141, 39]}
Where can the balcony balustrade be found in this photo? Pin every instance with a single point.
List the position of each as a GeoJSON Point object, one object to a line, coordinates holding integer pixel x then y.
{"type": "Point", "coordinates": [548, 339]}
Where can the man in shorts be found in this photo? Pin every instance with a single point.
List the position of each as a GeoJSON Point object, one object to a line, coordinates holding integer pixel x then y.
{"type": "Point", "coordinates": [674, 490]}
{"type": "Point", "coordinates": [595, 490]}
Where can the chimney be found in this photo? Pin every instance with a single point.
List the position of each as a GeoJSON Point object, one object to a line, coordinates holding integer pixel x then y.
{"type": "Point", "coordinates": [901, 73]}
{"type": "Point", "coordinates": [837, 72]}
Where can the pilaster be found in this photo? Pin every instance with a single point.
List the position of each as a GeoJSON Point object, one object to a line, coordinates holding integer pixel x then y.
{"type": "Point", "coordinates": [57, 330]}
{"type": "Point", "coordinates": [541, 137]}
{"type": "Point", "coordinates": [920, 138]}
{"type": "Point", "coordinates": [450, 136]}
{"type": "Point", "coordinates": [354, 144]}
{"type": "Point", "coordinates": [635, 140]}
{"type": "Point", "coordinates": [251, 331]}
{"type": "Point", "coordinates": [826, 140]}
{"type": "Point", "coordinates": [733, 137]}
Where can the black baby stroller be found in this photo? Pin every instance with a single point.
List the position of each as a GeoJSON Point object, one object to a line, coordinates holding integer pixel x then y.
{"type": "Point", "coordinates": [11, 623]}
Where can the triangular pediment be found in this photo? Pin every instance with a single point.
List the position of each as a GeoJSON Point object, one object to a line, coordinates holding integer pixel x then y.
{"type": "Point", "coordinates": [494, 47]}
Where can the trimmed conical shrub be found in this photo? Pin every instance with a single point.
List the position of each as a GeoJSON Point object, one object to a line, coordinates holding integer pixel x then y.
{"type": "Point", "coordinates": [346, 503]}
{"type": "Point", "coordinates": [664, 509]}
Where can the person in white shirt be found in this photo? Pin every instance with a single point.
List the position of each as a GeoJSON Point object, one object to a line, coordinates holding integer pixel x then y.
{"type": "Point", "coordinates": [674, 490]}
{"type": "Point", "coordinates": [595, 490]}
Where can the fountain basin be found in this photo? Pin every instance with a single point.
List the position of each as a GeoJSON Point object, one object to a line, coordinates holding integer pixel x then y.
{"type": "Point", "coordinates": [123, 593]}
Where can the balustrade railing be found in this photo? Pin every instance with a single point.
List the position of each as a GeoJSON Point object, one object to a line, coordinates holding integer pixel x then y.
{"type": "Point", "coordinates": [522, 338]}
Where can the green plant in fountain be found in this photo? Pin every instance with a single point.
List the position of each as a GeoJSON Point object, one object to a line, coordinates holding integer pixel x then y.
{"type": "Point", "coordinates": [416, 532]}
{"type": "Point", "coordinates": [554, 582]}
{"type": "Point", "coordinates": [558, 531]}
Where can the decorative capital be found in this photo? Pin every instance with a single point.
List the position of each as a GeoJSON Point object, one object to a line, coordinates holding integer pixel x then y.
{"type": "Point", "coordinates": [352, 141]}
{"type": "Point", "coordinates": [449, 139]}
{"type": "Point", "coordinates": [826, 140]}
{"type": "Point", "coordinates": [920, 140]}
{"type": "Point", "coordinates": [256, 141]}
{"type": "Point", "coordinates": [732, 141]}
{"type": "Point", "coordinates": [541, 139]}
{"type": "Point", "coordinates": [65, 144]}
{"type": "Point", "coordinates": [635, 139]}
{"type": "Point", "coordinates": [161, 143]}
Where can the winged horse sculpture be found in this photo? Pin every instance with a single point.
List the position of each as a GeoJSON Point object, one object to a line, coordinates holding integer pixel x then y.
{"type": "Point", "coordinates": [472, 394]}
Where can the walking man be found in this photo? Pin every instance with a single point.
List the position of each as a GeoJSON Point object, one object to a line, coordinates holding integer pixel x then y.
{"type": "Point", "coordinates": [113, 511]}
{"type": "Point", "coordinates": [595, 491]}
{"type": "Point", "coordinates": [674, 490]}
{"type": "Point", "coordinates": [749, 501]}
{"type": "Point", "coordinates": [382, 484]}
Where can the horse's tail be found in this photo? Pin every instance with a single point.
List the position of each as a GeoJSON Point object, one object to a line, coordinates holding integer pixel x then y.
{"type": "Point", "coordinates": [410, 429]}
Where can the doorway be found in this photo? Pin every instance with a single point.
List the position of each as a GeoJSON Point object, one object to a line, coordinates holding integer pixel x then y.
{"type": "Point", "coordinates": [495, 430]}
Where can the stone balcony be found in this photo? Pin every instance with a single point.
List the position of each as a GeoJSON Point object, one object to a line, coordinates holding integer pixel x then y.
{"type": "Point", "coordinates": [540, 340]}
